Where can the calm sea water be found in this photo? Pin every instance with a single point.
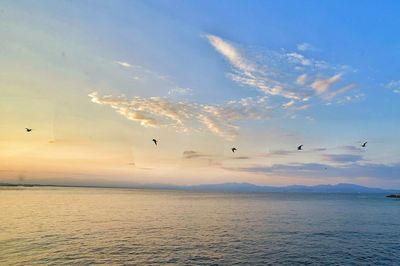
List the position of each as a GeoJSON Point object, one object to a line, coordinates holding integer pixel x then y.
{"type": "Point", "coordinates": [64, 226]}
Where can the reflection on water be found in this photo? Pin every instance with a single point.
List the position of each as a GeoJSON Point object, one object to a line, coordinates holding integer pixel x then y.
{"type": "Point", "coordinates": [122, 226]}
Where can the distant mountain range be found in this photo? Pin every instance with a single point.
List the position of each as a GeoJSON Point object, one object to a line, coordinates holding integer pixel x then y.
{"type": "Point", "coordinates": [243, 188]}
{"type": "Point", "coordinates": [246, 187]}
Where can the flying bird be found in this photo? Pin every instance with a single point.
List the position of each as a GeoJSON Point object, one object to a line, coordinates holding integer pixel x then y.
{"type": "Point", "coordinates": [155, 141]}
{"type": "Point", "coordinates": [28, 129]}
{"type": "Point", "coordinates": [364, 144]}
{"type": "Point", "coordinates": [234, 149]}
{"type": "Point", "coordinates": [300, 147]}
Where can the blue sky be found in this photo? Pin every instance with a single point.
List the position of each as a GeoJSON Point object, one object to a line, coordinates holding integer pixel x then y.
{"type": "Point", "coordinates": [99, 79]}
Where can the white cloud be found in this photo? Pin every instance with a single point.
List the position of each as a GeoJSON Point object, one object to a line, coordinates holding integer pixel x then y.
{"type": "Point", "coordinates": [150, 112]}
{"type": "Point", "coordinates": [354, 168]}
{"type": "Point", "coordinates": [288, 104]}
{"type": "Point", "coordinates": [351, 98]}
{"type": "Point", "coordinates": [302, 107]}
{"type": "Point", "coordinates": [299, 59]}
{"type": "Point", "coordinates": [394, 85]}
{"type": "Point", "coordinates": [341, 91]}
{"type": "Point", "coordinates": [195, 155]}
{"type": "Point", "coordinates": [284, 74]}
{"type": "Point", "coordinates": [124, 64]}
{"type": "Point", "coordinates": [179, 91]}
{"type": "Point", "coordinates": [162, 112]}
{"type": "Point", "coordinates": [140, 72]}
{"type": "Point", "coordinates": [247, 73]}
{"type": "Point", "coordinates": [232, 54]}
{"type": "Point", "coordinates": [322, 85]}
{"type": "Point", "coordinates": [304, 47]}
{"type": "Point", "coordinates": [309, 118]}
{"type": "Point", "coordinates": [301, 80]}
{"type": "Point", "coordinates": [219, 127]}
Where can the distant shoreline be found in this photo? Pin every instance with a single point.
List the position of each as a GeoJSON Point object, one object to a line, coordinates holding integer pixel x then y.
{"type": "Point", "coordinates": [229, 187]}
{"type": "Point", "coordinates": [48, 185]}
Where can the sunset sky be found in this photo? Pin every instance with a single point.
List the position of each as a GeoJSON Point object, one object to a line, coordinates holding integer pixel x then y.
{"type": "Point", "coordinates": [98, 80]}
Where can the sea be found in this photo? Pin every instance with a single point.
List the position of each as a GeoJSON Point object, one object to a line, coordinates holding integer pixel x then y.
{"type": "Point", "coordinates": [101, 226]}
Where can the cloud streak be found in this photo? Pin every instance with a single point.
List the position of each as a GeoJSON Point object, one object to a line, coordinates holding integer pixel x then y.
{"type": "Point", "coordinates": [343, 158]}
{"type": "Point", "coordinates": [318, 170]}
{"type": "Point", "coordinates": [123, 64]}
{"type": "Point", "coordinates": [193, 155]}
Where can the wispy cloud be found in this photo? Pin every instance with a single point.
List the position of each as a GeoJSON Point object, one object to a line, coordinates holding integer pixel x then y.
{"type": "Point", "coordinates": [278, 153]}
{"type": "Point", "coordinates": [351, 98]}
{"type": "Point", "coordinates": [393, 85]}
{"type": "Point", "coordinates": [139, 72]}
{"type": "Point", "coordinates": [163, 112]}
{"type": "Point", "coordinates": [343, 158]}
{"type": "Point", "coordinates": [290, 75]}
{"type": "Point", "coordinates": [351, 153]}
{"type": "Point", "coordinates": [351, 148]}
{"type": "Point", "coordinates": [319, 149]}
{"type": "Point", "coordinates": [240, 157]}
{"type": "Point", "coordinates": [179, 91]}
{"type": "Point", "coordinates": [124, 64]}
{"type": "Point", "coordinates": [193, 155]}
{"type": "Point", "coordinates": [322, 85]}
{"type": "Point", "coordinates": [304, 47]}
{"type": "Point", "coordinates": [301, 80]}
{"type": "Point", "coordinates": [246, 72]}
{"type": "Point", "coordinates": [319, 170]}
{"type": "Point", "coordinates": [298, 58]}
{"type": "Point", "coordinates": [232, 54]}
{"type": "Point", "coordinates": [342, 90]}
{"type": "Point", "coordinates": [288, 104]}
{"type": "Point", "coordinates": [149, 112]}
{"type": "Point", "coordinates": [296, 86]}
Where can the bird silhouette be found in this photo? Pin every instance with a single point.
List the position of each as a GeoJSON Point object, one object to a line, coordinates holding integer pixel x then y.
{"type": "Point", "coordinates": [364, 144]}
{"type": "Point", "coordinates": [300, 147]}
{"type": "Point", "coordinates": [234, 149]}
{"type": "Point", "coordinates": [28, 129]}
{"type": "Point", "coordinates": [155, 141]}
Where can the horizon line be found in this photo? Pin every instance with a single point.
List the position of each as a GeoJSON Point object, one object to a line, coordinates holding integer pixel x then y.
{"type": "Point", "coordinates": [156, 186]}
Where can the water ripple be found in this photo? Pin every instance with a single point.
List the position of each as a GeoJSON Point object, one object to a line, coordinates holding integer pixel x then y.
{"type": "Point", "coordinates": [133, 227]}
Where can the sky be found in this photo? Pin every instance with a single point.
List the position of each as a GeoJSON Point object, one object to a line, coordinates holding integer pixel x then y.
{"type": "Point", "coordinates": [98, 80]}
